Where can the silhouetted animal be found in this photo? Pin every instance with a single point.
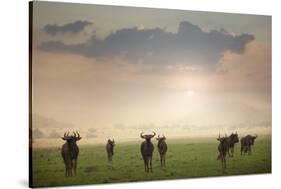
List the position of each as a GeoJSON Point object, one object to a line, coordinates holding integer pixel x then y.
{"type": "Point", "coordinates": [162, 149]}
{"type": "Point", "coordinates": [70, 152]}
{"type": "Point", "coordinates": [232, 139]}
{"type": "Point", "coordinates": [246, 143]}
{"type": "Point", "coordinates": [223, 149]}
{"type": "Point", "coordinates": [110, 149]}
{"type": "Point", "coordinates": [147, 151]}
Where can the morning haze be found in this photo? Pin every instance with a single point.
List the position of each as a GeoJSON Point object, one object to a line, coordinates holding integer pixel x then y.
{"type": "Point", "coordinates": [182, 73]}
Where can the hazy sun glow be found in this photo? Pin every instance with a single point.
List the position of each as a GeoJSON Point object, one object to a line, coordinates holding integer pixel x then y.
{"type": "Point", "coordinates": [190, 92]}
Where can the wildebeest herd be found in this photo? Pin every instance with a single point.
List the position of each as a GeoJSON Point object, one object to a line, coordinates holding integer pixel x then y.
{"type": "Point", "coordinates": [70, 150]}
{"type": "Point", "coordinates": [226, 146]}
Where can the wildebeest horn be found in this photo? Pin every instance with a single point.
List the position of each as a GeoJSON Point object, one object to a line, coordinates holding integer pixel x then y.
{"type": "Point", "coordinates": [78, 135]}
{"type": "Point", "coordinates": [141, 135]}
{"type": "Point", "coordinates": [64, 136]}
{"type": "Point", "coordinates": [153, 134]}
{"type": "Point", "coordinates": [74, 134]}
{"type": "Point", "coordinates": [219, 136]}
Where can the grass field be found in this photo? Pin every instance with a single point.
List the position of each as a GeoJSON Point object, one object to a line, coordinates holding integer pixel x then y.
{"type": "Point", "coordinates": [185, 158]}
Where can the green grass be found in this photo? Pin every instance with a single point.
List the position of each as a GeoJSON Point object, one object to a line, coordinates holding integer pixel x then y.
{"type": "Point", "coordinates": [184, 159]}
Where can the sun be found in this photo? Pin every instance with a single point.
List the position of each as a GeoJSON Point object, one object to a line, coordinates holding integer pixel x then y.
{"type": "Point", "coordinates": [190, 93]}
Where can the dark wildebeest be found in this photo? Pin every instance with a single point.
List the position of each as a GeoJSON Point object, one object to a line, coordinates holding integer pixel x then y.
{"type": "Point", "coordinates": [246, 143]}
{"type": "Point", "coordinates": [162, 149]}
{"type": "Point", "coordinates": [69, 152]}
{"type": "Point", "coordinates": [147, 151]}
{"type": "Point", "coordinates": [110, 149]}
{"type": "Point", "coordinates": [232, 139]}
{"type": "Point", "coordinates": [223, 149]}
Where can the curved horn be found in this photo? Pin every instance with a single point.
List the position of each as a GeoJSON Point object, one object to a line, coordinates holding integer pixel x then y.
{"type": "Point", "coordinates": [141, 135]}
{"type": "Point", "coordinates": [153, 134]}
{"type": "Point", "coordinates": [74, 134]}
{"type": "Point", "coordinates": [219, 137]}
{"type": "Point", "coordinates": [67, 134]}
{"type": "Point", "coordinates": [78, 134]}
{"type": "Point", "coordinates": [64, 136]}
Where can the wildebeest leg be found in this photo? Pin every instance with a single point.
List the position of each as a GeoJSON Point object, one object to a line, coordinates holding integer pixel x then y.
{"type": "Point", "coordinates": [161, 159]}
{"type": "Point", "coordinates": [164, 160]}
{"type": "Point", "coordinates": [228, 152]}
{"type": "Point", "coordinates": [70, 168]}
{"type": "Point", "coordinates": [223, 161]}
{"type": "Point", "coordinates": [74, 166]}
{"type": "Point", "coordinates": [66, 170]}
{"type": "Point", "coordinates": [249, 151]}
{"type": "Point", "coordinates": [145, 165]}
{"type": "Point", "coordinates": [150, 163]}
{"type": "Point", "coordinates": [232, 151]}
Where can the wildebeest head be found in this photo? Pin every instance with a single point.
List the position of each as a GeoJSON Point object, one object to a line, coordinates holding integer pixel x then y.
{"type": "Point", "coordinates": [252, 139]}
{"type": "Point", "coordinates": [147, 137]}
{"type": "Point", "coordinates": [71, 138]}
{"type": "Point", "coordinates": [222, 139]}
{"type": "Point", "coordinates": [111, 142]}
{"type": "Point", "coordinates": [234, 137]}
{"type": "Point", "coordinates": [160, 139]}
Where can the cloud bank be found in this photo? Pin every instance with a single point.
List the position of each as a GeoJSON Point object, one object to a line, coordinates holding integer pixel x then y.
{"type": "Point", "coordinates": [189, 45]}
{"type": "Point", "coordinates": [73, 27]}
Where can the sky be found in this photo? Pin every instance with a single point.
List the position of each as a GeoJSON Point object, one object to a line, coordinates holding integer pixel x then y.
{"type": "Point", "coordinates": [113, 72]}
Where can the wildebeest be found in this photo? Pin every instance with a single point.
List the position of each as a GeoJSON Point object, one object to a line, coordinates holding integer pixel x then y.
{"type": "Point", "coordinates": [232, 139]}
{"type": "Point", "coordinates": [147, 151]}
{"type": "Point", "coordinates": [69, 152]}
{"type": "Point", "coordinates": [110, 149]}
{"type": "Point", "coordinates": [223, 149]}
{"type": "Point", "coordinates": [246, 143]}
{"type": "Point", "coordinates": [162, 149]}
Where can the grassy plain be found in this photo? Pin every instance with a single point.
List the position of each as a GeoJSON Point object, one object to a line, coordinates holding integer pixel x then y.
{"type": "Point", "coordinates": [186, 158]}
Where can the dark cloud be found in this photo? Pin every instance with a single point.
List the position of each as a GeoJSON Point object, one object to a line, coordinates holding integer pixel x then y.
{"type": "Point", "coordinates": [190, 45]}
{"type": "Point", "coordinates": [73, 27]}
